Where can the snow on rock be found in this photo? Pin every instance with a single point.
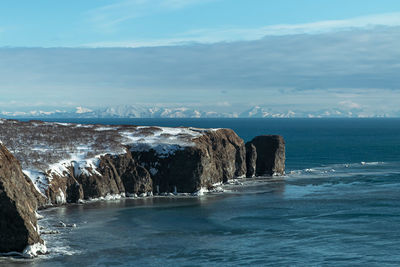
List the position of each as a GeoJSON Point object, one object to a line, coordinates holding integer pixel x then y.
{"type": "Point", "coordinates": [39, 180]}
{"type": "Point", "coordinates": [109, 197]}
{"type": "Point", "coordinates": [200, 192]}
{"type": "Point", "coordinates": [60, 198]}
{"type": "Point", "coordinates": [34, 250]}
{"type": "Point", "coordinates": [163, 140]}
{"type": "Point", "coordinates": [38, 216]}
{"type": "Point", "coordinates": [106, 128]}
{"type": "Point", "coordinates": [46, 149]}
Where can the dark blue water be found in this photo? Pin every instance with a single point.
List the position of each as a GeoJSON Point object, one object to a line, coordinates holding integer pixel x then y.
{"type": "Point", "coordinates": [339, 205]}
{"type": "Point", "coordinates": [309, 142]}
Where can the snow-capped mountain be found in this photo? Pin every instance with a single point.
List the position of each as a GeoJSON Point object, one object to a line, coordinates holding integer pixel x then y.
{"type": "Point", "coordinates": [125, 111]}
{"type": "Point", "coordinates": [259, 112]}
{"type": "Point", "coordinates": [141, 111]}
{"type": "Point", "coordinates": [147, 112]}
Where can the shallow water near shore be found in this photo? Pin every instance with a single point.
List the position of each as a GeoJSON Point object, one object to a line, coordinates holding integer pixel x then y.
{"type": "Point", "coordinates": [338, 205]}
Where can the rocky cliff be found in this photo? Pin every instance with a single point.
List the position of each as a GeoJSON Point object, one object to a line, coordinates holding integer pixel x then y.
{"type": "Point", "coordinates": [215, 156]}
{"type": "Point", "coordinates": [114, 161]}
{"type": "Point", "coordinates": [251, 160]}
{"type": "Point", "coordinates": [269, 153]}
{"type": "Point", "coordinates": [18, 203]}
{"type": "Point", "coordinates": [113, 176]}
{"type": "Point", "coordinates": [196, 161]}
{"type": "Point", "coordinates": [73, 162]}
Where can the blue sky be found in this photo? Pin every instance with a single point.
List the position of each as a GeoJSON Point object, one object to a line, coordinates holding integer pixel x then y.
{"type": "Point", "coordinates": [214, 54]}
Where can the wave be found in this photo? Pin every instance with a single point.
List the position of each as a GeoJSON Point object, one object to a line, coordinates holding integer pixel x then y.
{"type": "Point", "coordinates": [346, 169]}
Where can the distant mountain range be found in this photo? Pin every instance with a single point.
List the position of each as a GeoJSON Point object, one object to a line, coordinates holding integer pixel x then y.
{"type": "Point", "coordinates": [140, 111]}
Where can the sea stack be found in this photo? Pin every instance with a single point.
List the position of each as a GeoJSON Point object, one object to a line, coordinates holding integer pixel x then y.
{"type": "Point", "coordinates": [270, 155]}
{"type": "Point", "coordinates": [251, 160]}
{"type": "Point", "coordinates": [18, 202]}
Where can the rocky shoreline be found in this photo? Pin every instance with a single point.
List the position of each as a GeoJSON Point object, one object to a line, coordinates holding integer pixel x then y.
{"type": "Point", "coordinates": [152, 161]}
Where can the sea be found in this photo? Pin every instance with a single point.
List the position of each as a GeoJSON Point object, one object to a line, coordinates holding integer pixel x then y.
{"type": "Point", "coordinates": [337, 205]}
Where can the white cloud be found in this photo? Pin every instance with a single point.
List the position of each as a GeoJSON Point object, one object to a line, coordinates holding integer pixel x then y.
{"type": "Point", "coordinates": [110, 16]}
{"type": "Point", "coordinates": [214, 35]}
{"type": "Point", "coordinates": [302, 71]}
{"type": "Point", "coordinates": [349, 104]}
{"type": "Point", "coordinates": [386, 19]}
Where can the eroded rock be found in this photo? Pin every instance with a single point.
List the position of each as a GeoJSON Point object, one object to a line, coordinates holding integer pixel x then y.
{"type": "Point", "coordinates": [108, 162]}
{"type": "Point", "coordinates": [214, 157]}
{"type": "Point", "coordinates": [270, 154]}
{"type": "Point", "coordinates": [251, 160]}
{"type": "Point", "coordinates": [18, 203]}
{"type": "Point", "coordinates": [115, 175]}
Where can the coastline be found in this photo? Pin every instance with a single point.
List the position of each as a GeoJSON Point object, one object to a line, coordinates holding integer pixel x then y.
{"type": "Point", "coordinates": [156, 161]}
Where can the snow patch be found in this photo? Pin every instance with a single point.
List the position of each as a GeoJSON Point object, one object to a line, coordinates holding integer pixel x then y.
{"type": "Point", "coordinates": [200, 192]}
{"type": "Point", "coordinates": [60, 198]}
{"type": "Point", "coordinates": [134, 195]}
{"type": "Point", "coordinates": [38, 179]}
{"type": "Point", "coordinates": [79, 150]}
{"type": "Point", "coordinates": [163, 140]}
{"type": "Point", "coordinates": [99, 129]}
{"type": "Point", "coordinates": [107, 197]}
{"type": "Point", "coordinates": [38, 216]}
{"type": "Point", "coordinates": [79, 163]}
{"type": "Point", "coordinates": [34, 250]}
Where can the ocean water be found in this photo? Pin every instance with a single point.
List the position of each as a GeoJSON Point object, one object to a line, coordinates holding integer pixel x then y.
{"type": "Point", "coordinates": [338, 205]}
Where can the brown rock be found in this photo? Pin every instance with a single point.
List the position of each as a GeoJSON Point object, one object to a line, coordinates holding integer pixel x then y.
{"type": "Point", "coordinates": [98, 183]}
{"type": "Point", "coordinates": [135, 179]}
{"type": "Point", "coordinates": [251, 160]}
{"type": "Point", "coordinates": [74, 191]}
{"type": "Point", "coordinates": [116, 174]}
{"type": "Point", "coordinates": [18, 203]}
{"type": "Point", "coordinates": [64, 189]}
{"type": "Point", "coordinates": [270, 154]}
{"type": "Point", "coordinates": [216, 156]}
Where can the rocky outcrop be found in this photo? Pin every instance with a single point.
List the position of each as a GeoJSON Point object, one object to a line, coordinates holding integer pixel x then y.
{"type": "Point", "coordinates": [64, 189]}
{"type": "Point", "coordinates": [270, 151]}
{"type": "Point", "coordinates": [214, 157]}
{"type": "Point", "coordinates": [251, 160]}
{"type": "Point", "coordinates": [198, 161]}
{"type": "Point", "coordinates": [72, 162]}
{"type": "Point", "coordinates": [140, 161]}
{"type": "Point", "coordinates": [18, 203]}
{"type": "Point", "coordinates": [114, 175]}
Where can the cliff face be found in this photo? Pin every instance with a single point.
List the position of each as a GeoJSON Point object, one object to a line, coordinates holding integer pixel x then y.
{"type": "Point", "coordinates": [18, 204]}
{"type": "Point", "coordinates": [251, 160]}
{"type": "Point", "coordinates": [71, 162]}
{"type": "Point", "coordinates": [114, 175]}
{"type": "Point", "coordinates": [214, 157]}
{"type": "Point", "coordinates": [139, 161]}
{"type": "Point", "coordinates": [270, 150]}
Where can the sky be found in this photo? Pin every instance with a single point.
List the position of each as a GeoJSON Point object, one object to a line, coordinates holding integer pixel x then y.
{"type": "Point", "coordinates": [225, 55]}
